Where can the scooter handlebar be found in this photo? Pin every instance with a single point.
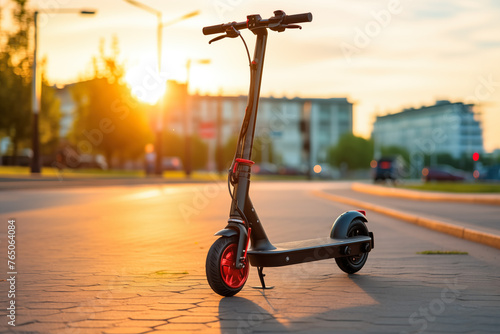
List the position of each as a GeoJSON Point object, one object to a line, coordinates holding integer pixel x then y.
{"type": "Point", "coordinates": [287, 19]}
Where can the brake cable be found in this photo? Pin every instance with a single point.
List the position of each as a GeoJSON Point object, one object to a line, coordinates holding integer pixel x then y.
{"type": "Point", "coordinates": [244, 128]}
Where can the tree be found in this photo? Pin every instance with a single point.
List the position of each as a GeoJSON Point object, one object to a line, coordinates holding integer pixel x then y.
{"type": "Point", "coordinates": [174, 146]}
{"type": "Point", "coordinates": [15, 80]}
{"type": "Point", "coordinates": [15, 90]}
{"type": "Point", "coordinates": [108, 119]}
{"type": "Point", "coordinates": [199, 152]}
{"type": "Point", "coordinates": [15, 111]}
{"type": "Point", "coordinates": [355, 152]}
{"type": "Point", "coordinates": [395, 151]}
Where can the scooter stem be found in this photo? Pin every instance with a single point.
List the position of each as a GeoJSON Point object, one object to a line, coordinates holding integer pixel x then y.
{"type": "Point", "coordinates": [256, 69]}
{"type": "Point", "coordinates": [241, 202]}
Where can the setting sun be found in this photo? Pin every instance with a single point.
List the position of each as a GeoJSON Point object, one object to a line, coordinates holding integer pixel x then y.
{"type": "Point", "coordinates": [146, 83]}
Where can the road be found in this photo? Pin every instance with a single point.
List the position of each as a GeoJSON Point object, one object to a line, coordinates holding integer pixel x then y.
{"type": "Point", "coordinates": [131, 260]}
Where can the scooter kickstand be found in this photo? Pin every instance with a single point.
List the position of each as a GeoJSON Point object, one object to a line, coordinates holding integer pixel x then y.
{"type": "Point", "coordinates": [261, 277]}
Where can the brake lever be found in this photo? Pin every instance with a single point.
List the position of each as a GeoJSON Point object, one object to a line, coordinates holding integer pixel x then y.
{"type": "Point", "coordinates": [230, 32]}
{"type": "Point", "coordinates": [282, 27]}
{"type": "Point", "coordinates": [218, 38]}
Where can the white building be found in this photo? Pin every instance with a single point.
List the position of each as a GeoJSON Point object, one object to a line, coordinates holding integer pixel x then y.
{"type": "Point", "coordinates": [445, 127]}
{"type": "Point", "coordinates": [278, 121]}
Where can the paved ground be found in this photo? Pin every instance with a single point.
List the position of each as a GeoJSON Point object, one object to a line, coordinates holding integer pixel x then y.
{"type": "Point", "coordinates": [37, 182]}
{"type": "Point", "coordinates": [131, 260]}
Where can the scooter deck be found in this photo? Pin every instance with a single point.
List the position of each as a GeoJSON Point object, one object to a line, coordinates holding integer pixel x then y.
{"type": "Point", "coordinates": [294, 252]}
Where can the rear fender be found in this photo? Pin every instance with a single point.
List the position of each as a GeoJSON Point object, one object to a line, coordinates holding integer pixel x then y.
{"type": "Point", "coordinates": [341, 225]}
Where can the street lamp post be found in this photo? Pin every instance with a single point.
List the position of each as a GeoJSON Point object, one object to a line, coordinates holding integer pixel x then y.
{"type": "Point", "coordinates": [35, 105]}
{"type": "Point", "coordinates": [159, 37]}
{"type": "Point", "coordinates": [36, 86]}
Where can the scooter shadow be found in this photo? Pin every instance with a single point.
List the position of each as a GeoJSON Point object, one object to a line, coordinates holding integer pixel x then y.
{"type": "Point", "coordinates": [240, 315]}
{"type": "Point", "coordinates": [357, 303]}
{"type": "Point", "coordinates": [286, 310]}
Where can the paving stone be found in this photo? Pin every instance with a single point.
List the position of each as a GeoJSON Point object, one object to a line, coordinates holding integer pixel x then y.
{"type": "Point", "coordinates": [37, 312]}
{"type": "Point", "coordinates": [73, 330]}
{"type": "Point", "coordinates": [193, 320]}
{"type": "Point", "coordinates": [39, 327]}
{"type": "Point", "coordinates": [90, 306]}
{"type": "Point", "coordinates": [93, 323]}
{"type": "Point", "coordinates": [50, 306]}
{"type": "Point", "coordinates": [173, 307]}
{"type": "Point", "coordinates": [141, 323]}
{"type": "Point", "coordinates": [237, 325]}
{"type": "Point", "coordinates": [156, 315]}
{"type": "Point", "coordinates": [114, 295]}
{"type": "Point", "coordinates": [111, 315]}
{"type": "Point", "coordinates": [127, 330]}
{"type": "Point", "coordinates": [129, 308]}
{"type": "Point", "coordinates": [182, 327]}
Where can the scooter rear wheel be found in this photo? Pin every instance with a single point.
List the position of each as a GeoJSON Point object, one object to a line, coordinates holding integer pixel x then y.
{"type": "Point", "coordinates": [222, 275]}
{"type": "Point", "coordinates": [354, 263]}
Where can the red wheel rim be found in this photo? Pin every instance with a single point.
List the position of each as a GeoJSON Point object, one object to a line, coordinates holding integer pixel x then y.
{"type": "Point", "coordinates": [232, 276]}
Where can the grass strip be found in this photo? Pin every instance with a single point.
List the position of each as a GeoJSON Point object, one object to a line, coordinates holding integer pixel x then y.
{"type": "Point", "coordinates": [437, 252]}
{"type": "Point", "coordinates": [457, 187]}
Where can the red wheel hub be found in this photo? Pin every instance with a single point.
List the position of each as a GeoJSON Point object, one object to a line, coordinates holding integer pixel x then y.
{"type": "Point", "coordinates": [232, 276]}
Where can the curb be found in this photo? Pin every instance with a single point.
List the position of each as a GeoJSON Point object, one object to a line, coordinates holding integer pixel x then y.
{"type": "Point", "coordinates": [426, 196]}
{"type": "Point", "coordinates": [432, 224]}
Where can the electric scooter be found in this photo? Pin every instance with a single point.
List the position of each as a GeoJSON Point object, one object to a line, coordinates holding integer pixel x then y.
{"type": "Point", "coordinates": [244, 240]}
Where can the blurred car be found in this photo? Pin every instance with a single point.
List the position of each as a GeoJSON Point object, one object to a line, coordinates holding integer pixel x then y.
{"type": "Point", "coordinates": [92, 162]}
{"type": "Point", "coordinates": [325, 171]}
{"type": "Point", "coordinates": [19, 160]}
{"type": "Point", "coordinates": [490, 173]}
{"type": "Point", "coordinates": [289, 170]}
{"type": "Point", "coordinates": [265, 169]}
{"type": "Point", "coordinates": [171, 163]}
{"type": "Point", "coordinates": [388, 168]}
{"type": "Point", "coordinates": [443, 173]}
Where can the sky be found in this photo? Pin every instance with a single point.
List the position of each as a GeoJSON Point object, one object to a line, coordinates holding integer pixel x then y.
{"type": "Point", "coordinates": [382, 55]}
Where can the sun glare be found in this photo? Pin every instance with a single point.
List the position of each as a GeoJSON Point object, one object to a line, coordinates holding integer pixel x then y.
{"type": "Point", "coordinates": [146, 84]}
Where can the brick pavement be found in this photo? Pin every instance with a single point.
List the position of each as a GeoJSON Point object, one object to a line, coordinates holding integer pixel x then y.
{"type": "Point", "coordinates": [131, 260]}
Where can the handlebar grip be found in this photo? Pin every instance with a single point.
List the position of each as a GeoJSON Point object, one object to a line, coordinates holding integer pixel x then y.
{"type": "Point", "coordinates": [298, 18]}
{"type": "Point", "coordinates": [216, 29]}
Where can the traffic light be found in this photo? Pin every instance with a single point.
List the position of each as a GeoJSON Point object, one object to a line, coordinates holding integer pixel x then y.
{"type": "Point", "coordinates": [475, 156]}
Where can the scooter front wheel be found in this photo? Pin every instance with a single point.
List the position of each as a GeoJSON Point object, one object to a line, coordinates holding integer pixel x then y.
{"type": "Point", "coordinates": [354, 263]}
{"type": "Point", "coordinates": [222, 275]}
